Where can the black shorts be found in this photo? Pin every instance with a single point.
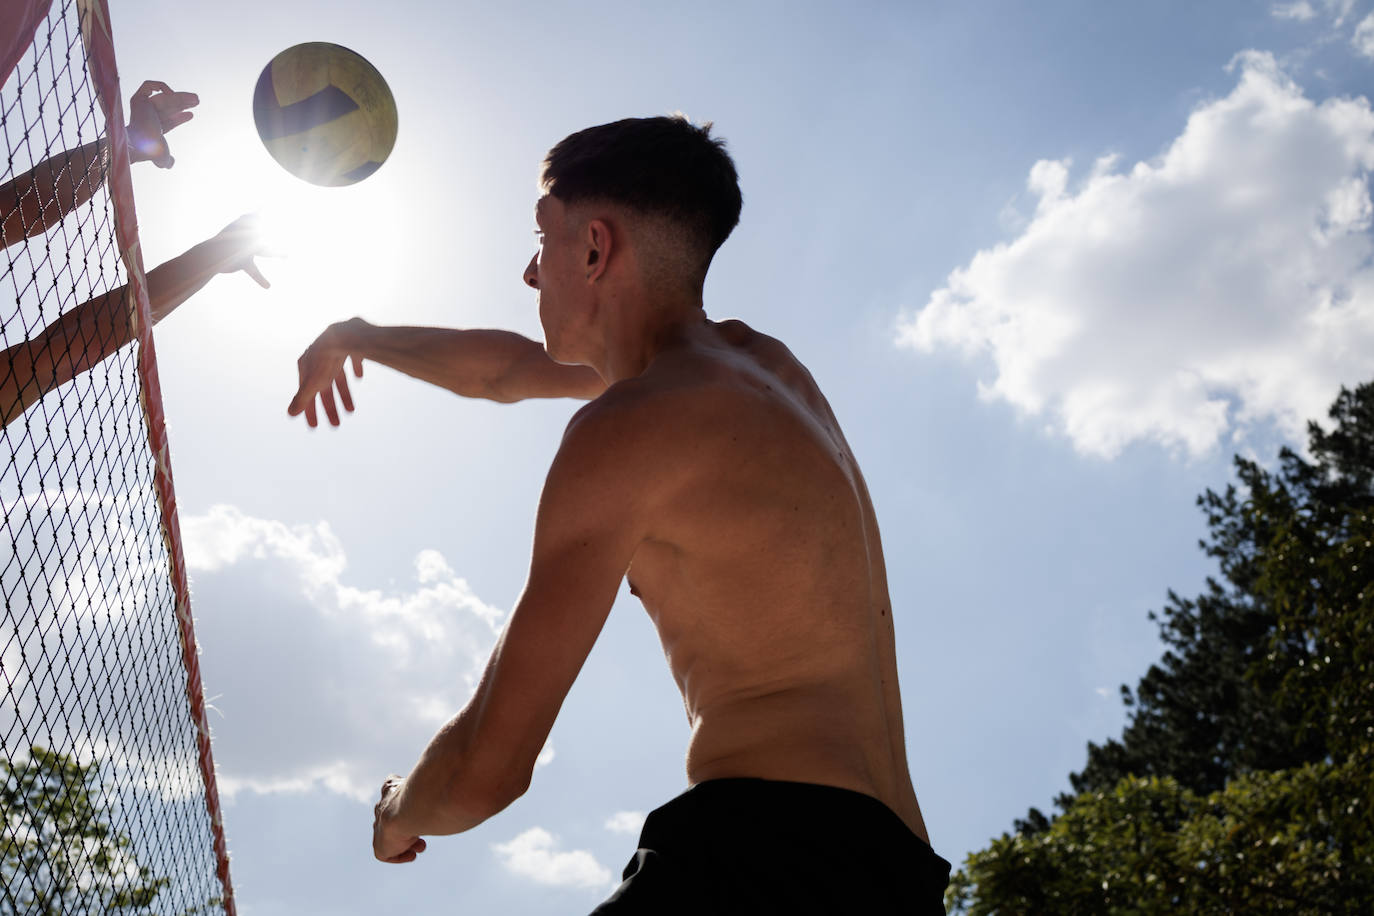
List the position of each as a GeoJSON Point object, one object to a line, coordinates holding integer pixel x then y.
{"type": "Point", "coordinates": [755, 846]}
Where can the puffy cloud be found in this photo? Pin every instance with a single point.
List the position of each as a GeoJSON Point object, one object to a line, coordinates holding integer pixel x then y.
{"type": "Point", "coordinates": [546, 755]}
{"type": "Point", "coordinates": [630, 822]}
{"type": "Point", "coordinates": [534, 855]}
{"type": "Point", "coordinates": [1227, 282]}
{"type": "Point", "coordinates": [89, 657]}
{"type": "Point", "coordinates": [1363, 39]}
{"type": "Point", "coordinates": [322, 684]}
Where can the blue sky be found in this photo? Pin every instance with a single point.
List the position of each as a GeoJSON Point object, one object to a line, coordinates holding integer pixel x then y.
{"type": "Point", "coordinates": [1040, 355]}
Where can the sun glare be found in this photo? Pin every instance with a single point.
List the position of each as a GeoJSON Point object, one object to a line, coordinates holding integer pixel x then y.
{"type": "Point", "coordinates": [331, 249]}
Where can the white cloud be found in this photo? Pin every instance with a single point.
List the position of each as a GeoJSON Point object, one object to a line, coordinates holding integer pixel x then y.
{"type": "Point", "coordinates": [1301, 11]}
{"type": "Point", "coordinates": [1363, 39]}
{"type": "Point", "coordinates": [546, 755]}
{"type": "Point", "coordinates": [323, 684]}
{"type": "Point", "coordinates": [1225, 283]}
{"type": "Point", "coordinates": [626, 822]}
{"type": "Point", "coordinates": [91, 584]}
{"type": "Point", "coordinates": [533, 855]}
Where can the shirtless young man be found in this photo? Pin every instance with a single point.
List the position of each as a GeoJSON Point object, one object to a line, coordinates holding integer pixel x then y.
{"type": "Point", "coordinates": [709, 469]}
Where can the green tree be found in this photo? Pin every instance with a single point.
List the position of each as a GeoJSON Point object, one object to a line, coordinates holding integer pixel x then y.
{"type": "Point", "coordinates": [1241, 781]}
{"type": "Point", "coordinates": [1294, 841]}
{"type": "Point", "coordinates": [58, 854]}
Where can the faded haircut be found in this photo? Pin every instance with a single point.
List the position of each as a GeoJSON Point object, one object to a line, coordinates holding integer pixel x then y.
{"type": "Point", "coordinates": [664, 167]}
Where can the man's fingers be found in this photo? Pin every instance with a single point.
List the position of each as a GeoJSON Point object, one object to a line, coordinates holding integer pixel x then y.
{"type": "Point", "coordinates": [345, 397]}
{"type": "Point", "coordinates": [357, 364]}
{"type": "Point", "coordinates": [298, 402]}
{"type": "Point", "coordinates": [330, 409]}
{"type": "Point", "coordinates": [409, 855]}
{"type": "Point", "coordinates": [311, 420]}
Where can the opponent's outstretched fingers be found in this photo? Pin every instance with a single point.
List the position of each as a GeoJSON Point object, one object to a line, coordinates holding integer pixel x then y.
{"type": "Point", "coordinates": [178, 117]}
{"type": "Point", "coordinates": [171, 106]}
{"type": "Point", "coordinates": [149, 87]}
{"type": "Point", "coordinates": [252, 270]}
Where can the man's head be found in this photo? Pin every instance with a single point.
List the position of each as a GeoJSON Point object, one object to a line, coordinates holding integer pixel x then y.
{"type": "Point", "coordinates": [658, 190]}
{"type": "Point", "coordinates": [666, 170]}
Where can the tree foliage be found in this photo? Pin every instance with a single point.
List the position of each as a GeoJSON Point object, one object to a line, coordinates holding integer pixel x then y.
{"type": "Point", "coordinates": [58, 853]}
{"type": "Point", "coordinates": [1242, 781]}
{"type": "Point", "coordinates": [1293, 841]}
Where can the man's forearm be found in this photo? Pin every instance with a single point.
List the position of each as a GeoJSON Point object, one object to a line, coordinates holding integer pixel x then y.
{"type": "Point", "coordinates": [450, 789]}
{"type": "Point", "coordinates": [475, 363]}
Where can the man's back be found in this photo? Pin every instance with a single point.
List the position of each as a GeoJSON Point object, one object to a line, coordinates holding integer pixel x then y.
{"type": "Point", "coordinates": [763, 572]}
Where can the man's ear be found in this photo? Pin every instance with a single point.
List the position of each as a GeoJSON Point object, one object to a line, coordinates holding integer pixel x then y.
{"type": "Point", "coordinates": [600, 242]}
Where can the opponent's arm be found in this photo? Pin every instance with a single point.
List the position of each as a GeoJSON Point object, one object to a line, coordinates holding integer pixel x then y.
{"type": "Point", "coordinates": [38, 200]}
{"type": "Point", "coordinates": [231, 249]}
{"type": "Point", "coordinates": [86, 334]}
{"type": "Point", "coordinates": [496, 365]}
{"type": "Point", "coordinates": [592, 516]}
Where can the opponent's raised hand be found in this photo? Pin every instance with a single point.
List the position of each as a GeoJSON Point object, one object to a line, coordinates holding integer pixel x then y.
{"type": "Point", "coordinates": [321, 369]}
{"type": "Point", "coordinates": [232, 249]}
{"type": "Point", "coordinates": [154, 110]}
{"type": "Point", "coordinates": [235, 246]}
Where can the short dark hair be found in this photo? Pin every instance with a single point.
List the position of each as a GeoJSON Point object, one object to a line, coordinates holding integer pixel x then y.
{"type": "Point", "coordinates": [665, 166]}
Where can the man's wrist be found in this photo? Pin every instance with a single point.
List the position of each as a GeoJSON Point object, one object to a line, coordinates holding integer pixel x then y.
{"type": "Point", "coordinates": [354, 336]}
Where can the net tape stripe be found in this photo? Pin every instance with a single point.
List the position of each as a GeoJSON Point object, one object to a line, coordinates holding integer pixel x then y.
{"type": "Point", "coordinates": [95, 29]}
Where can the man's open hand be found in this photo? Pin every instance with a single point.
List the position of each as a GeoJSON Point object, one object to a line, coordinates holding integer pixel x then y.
{"type": "Point", "coordinates": [153, 110]}
{"type": "Point", "coordinates": [387, 845]}
{"type": "Point", "coordinates": [321, 369]}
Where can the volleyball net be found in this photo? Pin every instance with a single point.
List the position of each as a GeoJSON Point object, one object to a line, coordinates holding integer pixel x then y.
{"type": "Point", "coordinates": [107, 792]}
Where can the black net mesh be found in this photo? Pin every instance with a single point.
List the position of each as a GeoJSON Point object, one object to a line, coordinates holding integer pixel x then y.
{"type": "Point", "coordinates": [101, 793]}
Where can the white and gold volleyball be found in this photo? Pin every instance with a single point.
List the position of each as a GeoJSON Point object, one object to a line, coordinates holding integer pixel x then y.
{"type": "Point", "coordinates": [325, 114]}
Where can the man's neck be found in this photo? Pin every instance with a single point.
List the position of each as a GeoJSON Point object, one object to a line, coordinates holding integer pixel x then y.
{"type": "Point", "coordinates": [637, 333]}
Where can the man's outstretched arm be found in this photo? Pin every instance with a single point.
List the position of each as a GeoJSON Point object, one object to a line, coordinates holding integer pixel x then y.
{"type": "Point", "coordinates": [475, 363]}
{"type": "Point", "coordinates": [593, 514]}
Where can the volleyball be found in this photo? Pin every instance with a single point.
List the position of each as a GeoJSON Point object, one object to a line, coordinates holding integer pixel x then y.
{"type": "Point", "coordinates": [325, 114]}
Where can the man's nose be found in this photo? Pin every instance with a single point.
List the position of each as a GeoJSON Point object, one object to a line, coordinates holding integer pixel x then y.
{"type": "Point", "coordinates": [532, 273]}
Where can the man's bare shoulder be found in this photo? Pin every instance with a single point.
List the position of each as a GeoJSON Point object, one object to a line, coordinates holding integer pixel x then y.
{"type": "Point", "coordinates": [674, 420]}
{"type": "Point", "coordinates": [689, 384]}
